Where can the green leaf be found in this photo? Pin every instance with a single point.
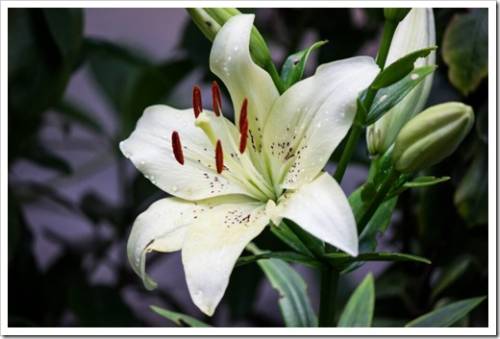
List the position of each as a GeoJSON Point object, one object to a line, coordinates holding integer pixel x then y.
{"type": "Point", "coordinates": [388, 97]}
{"type": "Point", "coordinates": [399, 68]}
{"type": "Point", "coordinates": [465, 49]}
{"type": "Point", "coordinates": [294, 303]}
{"type": "Point", "coordinates": [447, 315]}
{"type": "Point", "coordinates": [471, 195]}
{"type": "Point", "coordinates": [293, 68]}
{"type": "Point", "coordinates": [286, 256]}
{"type": "Point", "coordinates": [425, 181]}
{"type": "Point", "coordinates": [358, 311]}
{"type": "Point", "coordinates": [315, 245]}
{"type": "Point", "coordinates": [342, 258]}
{"type": "Point", "coordinates": [179, 318]}
{"type": "Point", "coordinates": [378, 223]}
{"type": "Point", "coordinates": [285, 234]}
{"type": "Point", "coordinates": [450, 274]}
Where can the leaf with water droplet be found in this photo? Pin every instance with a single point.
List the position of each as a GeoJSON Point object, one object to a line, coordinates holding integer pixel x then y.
{"type": "Point", "coordinates": [293, 68]}
{"type": "Point", "coordinates": [396, 92]}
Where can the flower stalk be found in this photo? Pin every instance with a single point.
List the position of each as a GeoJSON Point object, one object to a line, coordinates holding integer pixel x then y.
{"type": "Point", "coordinates": [329, 276]}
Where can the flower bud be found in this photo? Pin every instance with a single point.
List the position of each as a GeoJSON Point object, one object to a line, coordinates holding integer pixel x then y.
{"type": "Point", "coordinates": [431, 136]}
{"type": "Point", "coordinates": [414, 32]}
{"type": "Point", "coordinates": [258, 47]}
{"type": "Point", "coordinates": [205, 23]}
{"type": "Point", "coordinates": [395, 14]}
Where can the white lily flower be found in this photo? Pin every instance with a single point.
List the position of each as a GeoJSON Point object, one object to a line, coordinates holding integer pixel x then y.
{"type": "Point", "coordinates": [228, 181]}
{"type": "Point", "coordinates": [414, 32]}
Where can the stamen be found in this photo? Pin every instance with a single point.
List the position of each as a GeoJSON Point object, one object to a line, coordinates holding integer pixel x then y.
{"type": "Point", "coordinates": [244, 115]}
{"type": "Point", "coordinates": [197, 105]}
{"type": "Point", "coordinates": [177, 148]}
{"type": "Point", "coordinates": [219, 157]}
{"type": "Point", "coordinates": [216, 98]}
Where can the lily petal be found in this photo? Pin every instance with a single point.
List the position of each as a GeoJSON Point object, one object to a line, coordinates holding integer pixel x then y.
{"type": "Point", "coordinates": [162, 227]}
{"type": "Point", "coordinates": [149, 148]}
{"type": "Point", "coordinates": [311, 118]}
{"type": "Point", "coordinates": [322, 209]}
{"type": "Point", "coordinates": [414, 32]}
{"type": "Point", "coordinates": [230, 60]}
{"type": "Point", "coordinates": [213, 245]}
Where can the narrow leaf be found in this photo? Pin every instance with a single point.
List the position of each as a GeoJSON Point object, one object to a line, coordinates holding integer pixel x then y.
{"type": "Point", "coordinates": [179, 318]}
{"type": "Point", "coordinates": [399, 68]}
{"type": "Point", "coordinates": [388, 97]}
{"type": "Point", "coordinates": [294, 303]}
{"type": "Point", "coordinates": [286, 256]}
{"type": "Point", "coordinates": [450, 274]}
{"type": "Point", "coordinates": [294, 65]}
{"type": "Point", "coordinates": [358, 311]}
{"type": "Point", "coordinates": [447, 315]}
{"type": "Point", "coordinates": [340, 258]}
{"type": "Point", "coordinates": [315, 245]}
{"type": "Point", "coordinates": [285, 234]}
{"type": "Point", "coordinates": [425, 181]}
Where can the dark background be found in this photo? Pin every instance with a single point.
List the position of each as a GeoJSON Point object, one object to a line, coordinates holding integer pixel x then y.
{"type": "Point", "coordinates": [79, 80]}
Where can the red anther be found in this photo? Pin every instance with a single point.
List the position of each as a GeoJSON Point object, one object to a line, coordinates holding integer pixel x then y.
{"type": "Point", "coordinates": [197, 105]}
{"type": "Point", "coordinates": [219, 157]}
{"type": "Point", "coordinates": [216, 99]}
{"type": "Point", "coordinates": [244, 115]}
{"type": "Point", "coordinates": [243, 139]}
{"type": "Point", "coordinates": [177, 148]}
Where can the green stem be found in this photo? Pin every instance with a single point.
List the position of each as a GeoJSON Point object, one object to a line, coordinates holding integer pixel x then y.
{"type": "Point", "coordinates": [329, 277]}
{"type": "Point", "coordinates": [360, 118]}
{"type": "Point", "coordinates": [329, 281]}
{"type": "Point", "coordinates": [273, 72]}
{"type": "Point", "coordinates": [378, 198]}
{"type": "Point", "coordinates": [385, 43]}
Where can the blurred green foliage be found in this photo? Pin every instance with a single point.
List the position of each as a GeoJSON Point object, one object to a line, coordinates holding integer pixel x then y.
{"type": "Point", "coordinates": [446, 223]}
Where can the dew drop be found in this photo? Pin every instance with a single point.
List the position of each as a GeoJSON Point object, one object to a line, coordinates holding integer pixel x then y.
{"type": "Point", "coordinates": [414, 76]}
{"type": "Point", "coordinates": [174, 188]}
{"type": "Point", "coordinates": [383, 97]}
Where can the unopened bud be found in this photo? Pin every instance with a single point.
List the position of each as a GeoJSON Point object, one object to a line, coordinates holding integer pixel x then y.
{"type": "Point", "coordinates": [431, 136]}
{"type": "Point", "coordinates": [205, 23]}
{"type": "Point", "coordinates": [395, 14]}
{"type": "Point", "coordinates": [414, 32]}
{"type": "Point", "coordinates": [258, 47]}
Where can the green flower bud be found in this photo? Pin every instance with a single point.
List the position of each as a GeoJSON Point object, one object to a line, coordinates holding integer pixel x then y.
{"type": "Point", "coordinates": [414, 32]}
{"type": "Point", "coordinates": [395, 14]}
{"type": "Point", "coordinates": [205, 23]}
{"type": "Point", "coordinates": [431, 136]}
{"type": "Point", "coordinates": [258, 47]}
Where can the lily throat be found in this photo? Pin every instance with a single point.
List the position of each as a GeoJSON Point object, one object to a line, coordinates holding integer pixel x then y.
{"type": "Point", "coordinates": [236, 153]}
